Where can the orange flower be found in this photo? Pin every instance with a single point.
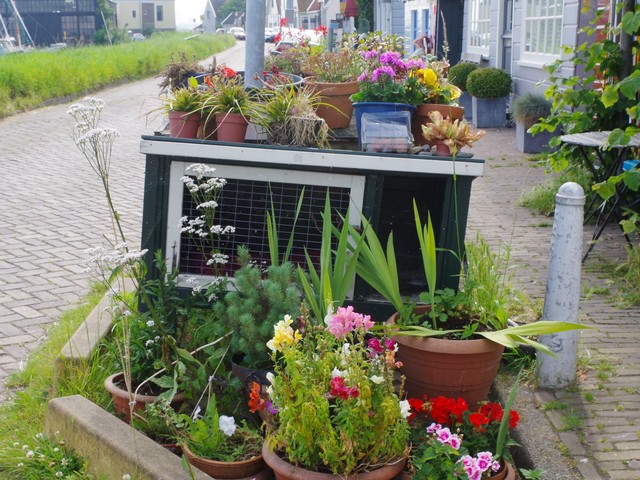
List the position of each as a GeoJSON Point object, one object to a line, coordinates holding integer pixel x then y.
{"type": "Point", "coordinates": [256, 403]}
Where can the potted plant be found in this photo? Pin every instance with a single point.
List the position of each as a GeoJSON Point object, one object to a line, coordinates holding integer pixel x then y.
{"type": "Point", "coordinates": [452, 441]}
{"type": "Point", "coordinates": [489, 88]}
{"type": "Point", "coordinates": [473, 321]}
{"type": "Point", "coordinates": [438, 95]}
{"type": "Point", "coordinates": [334, 76]}
{"type": "Point", "coordinates": [458, 76]}
{"type": "Point", "coordinates": [259, 300]}
{"type": "Point", "coordinates": [386, 85]}
{"type": "Point", "coordinates": [229, 103]}
{"type": "Point", "coordinates": [182, 106]}
{"type": "Point", "coordinates": [177, 72]}
{"type": "Point", "coordinates": [218, 446]}
{"type": "Point", "coordinates": [338, 412]}
{"type": "Point", "coordinates": [526, 110]}
{"type": "Point", "coordinates": [289, 116]}
{"type": "Point", "coordinates": [448, 136]}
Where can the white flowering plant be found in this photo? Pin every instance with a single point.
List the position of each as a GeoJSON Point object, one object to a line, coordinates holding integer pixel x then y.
{"type": "Point", "coordinates": [334, 397]}
{"type": "Point", "coordinates": [216, 437]}
{"type": "Point", "coordinates": [41, 458]}
{"type": "Point", "coordinates": [204, 229]}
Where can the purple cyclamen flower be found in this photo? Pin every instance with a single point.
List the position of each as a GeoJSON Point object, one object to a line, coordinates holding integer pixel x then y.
{"type": "Point", "coordinates": [368, 55]}
{"type": "Point", "coordinates": [414, 63]}
{"type": "Point", "coordinates": [390, 58]}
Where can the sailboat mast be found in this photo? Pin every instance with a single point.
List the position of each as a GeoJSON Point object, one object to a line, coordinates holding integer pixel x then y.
{"type": "Point", "coordinates": [19, 21]}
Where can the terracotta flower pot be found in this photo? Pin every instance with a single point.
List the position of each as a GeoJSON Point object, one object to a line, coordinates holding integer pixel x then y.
{"type": "Point", "coordinates": [507, 473]}
{"type": "Point", "coordinates": [452, 368]}
{"type": "Point", "coordinates": [283, 470]}
{"type": "Point", "coordinates": [254, 468]}
{"type": "Point", "coordinates": [338, 109]}
{"type": "Point", "coordinates": [232, 127]}
{"type": "Point", "coordinates": [421, 117]}
{"type": "Point", "coordinates": [120, 398]}
{"type": "Point", "coordinates": [183, 125]}
{"type": "Point", "coordinates": [441, 148]}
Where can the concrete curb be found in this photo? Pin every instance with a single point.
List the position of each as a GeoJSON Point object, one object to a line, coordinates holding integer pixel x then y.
{"type": "Point", "coordinates": [112, 447]}
{"type": "Point", "coordinates": [77, 351]}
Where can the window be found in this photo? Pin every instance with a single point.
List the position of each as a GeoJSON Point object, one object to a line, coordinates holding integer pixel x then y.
{"type": "Point", "coordinates": [159, 13]}
{"type": "Point", "coordinates": [133, 14]}
{"type": "Point", "coordinates": [479, 18]}
{"type": "Point", "coordinates": [414, 25]}
{"type": "Point", "coordinates": [542, 30]}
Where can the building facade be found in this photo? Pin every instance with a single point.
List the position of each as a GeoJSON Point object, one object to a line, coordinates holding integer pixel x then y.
{"type": "Point", "coordinates": [54, 21]}
{"type": "Point", "coordinates": [145, 16]}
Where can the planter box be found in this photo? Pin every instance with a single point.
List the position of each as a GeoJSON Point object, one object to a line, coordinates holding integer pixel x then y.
{"type": "Point", "coordinates": [489, 112]}
{"type": "Point", "coordinates": [380, 186]}
{"type": "Point", "coordinates": [527, 143]}
{"type": "Point", "coordinates": [465, 102]}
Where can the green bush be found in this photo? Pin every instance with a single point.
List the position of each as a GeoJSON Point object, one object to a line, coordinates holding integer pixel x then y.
{"type": "Point", "coordinates": [489, 82]}
{"type": "Point", "coordinates": [459, 73]}
{"type": "Point", "coordinates": [529, 108]}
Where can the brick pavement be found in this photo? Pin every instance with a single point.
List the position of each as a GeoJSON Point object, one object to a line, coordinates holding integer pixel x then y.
{"type": "Point", "coordinates": [607, 446]}
{"type": "Point", "coordinates": [53, 208]}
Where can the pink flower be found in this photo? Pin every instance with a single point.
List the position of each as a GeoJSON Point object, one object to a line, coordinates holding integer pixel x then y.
{"type": "Point", "coordinates": [434, 427]}
{"type": "Point", "coordinates": [378, 72]}
{"type": "Point", "coordinates": [346, 321]}
{"type": "Point", "coordinates": [374, 346]}
{"type": "Point", "coordinates": [455, 441]}
{"type": "Point", "coordinates": [339, 389]}
{"type": "Point", "coordinates": [444, 435]}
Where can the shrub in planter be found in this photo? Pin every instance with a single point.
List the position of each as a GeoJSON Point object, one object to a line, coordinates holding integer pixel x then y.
{"type": "Point", "coordinates": [489, 88]}
{"type": "Point", "coordinates": [525, 111]}
{"type": "Point", "coordinates": [458, 75]}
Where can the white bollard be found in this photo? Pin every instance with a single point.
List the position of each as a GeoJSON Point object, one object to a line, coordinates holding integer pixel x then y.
{"type": "Point", "coordinates": [254, 45]}
{"type": "Point", "coordinates": [562, 295]}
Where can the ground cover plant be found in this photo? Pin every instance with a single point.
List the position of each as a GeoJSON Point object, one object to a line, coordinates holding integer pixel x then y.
{"type": "Point", "coordinates": [75, 71]}
{"type": "Point", "coordinates": [22, 418]}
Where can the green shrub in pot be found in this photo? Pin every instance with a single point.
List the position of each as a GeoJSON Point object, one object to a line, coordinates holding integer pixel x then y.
{"type": "Point", "coordinates": [459, 73]}
{"type": "Point", "coordinates": [489, 82]}
{"type": "Point", "coordinates": [489, 89]}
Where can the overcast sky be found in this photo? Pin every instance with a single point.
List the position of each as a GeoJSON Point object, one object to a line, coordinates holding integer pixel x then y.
{"type": "Point", "coordinates": [187, 10]}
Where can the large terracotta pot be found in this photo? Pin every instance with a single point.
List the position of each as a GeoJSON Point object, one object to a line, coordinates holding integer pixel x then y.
{"type": "Point", "coordinates": [120, 398]}
{"type": "Point", "coordinates": [254, 468]}
{"type": "Point", "coordinates": [232, 127]}
{"type": "Point", "coordinates": [338, 109]}
{"type": "Point", "coordinates": [183, 125]}
{"type": "Point", "coordinates": [421, 117]}
{"type": "Point", "coordinates": [452, 368]}
{"type": "Point", "coordinates": [283, 470]}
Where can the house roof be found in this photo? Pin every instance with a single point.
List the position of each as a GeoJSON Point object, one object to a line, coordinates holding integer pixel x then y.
{"type": "Point", "coordinates": [308, 6]}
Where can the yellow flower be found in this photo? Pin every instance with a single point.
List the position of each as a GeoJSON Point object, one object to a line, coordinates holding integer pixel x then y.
{"type": "Point", "coordinates": [284, 335]}
{"type": "Point", "coordinates": [428, 77]}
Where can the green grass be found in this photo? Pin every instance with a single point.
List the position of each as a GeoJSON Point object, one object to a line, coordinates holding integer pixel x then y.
{"type": "Point", "coordinates": [27, 80]}
{"type": "Point", "coordinates": [542, 198]}
{"type": "Point", "coordinates": [22, 418]}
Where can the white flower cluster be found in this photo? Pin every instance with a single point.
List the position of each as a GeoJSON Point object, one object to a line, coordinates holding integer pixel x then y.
{"type": "Point", "coordinates": [212, 184]}
{"type": "Point", "coordinates": [102, 261]}
{"type": "Point", "coordinates": [218, 259]}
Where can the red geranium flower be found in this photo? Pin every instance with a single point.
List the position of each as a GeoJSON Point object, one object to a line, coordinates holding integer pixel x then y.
{"type": "Point", "coordinates": [478, 420]}
{"type": "Point", "coordinates": [493, 411]}
{"type": "Point", "coordinates": [514, 418]}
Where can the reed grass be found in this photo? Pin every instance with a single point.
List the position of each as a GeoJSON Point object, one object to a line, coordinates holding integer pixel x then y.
{"type": "Point", "coordinates": [29, 79]}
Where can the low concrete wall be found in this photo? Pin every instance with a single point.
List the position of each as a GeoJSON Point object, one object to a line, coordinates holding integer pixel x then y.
{"type": "Point", "coordinates": [112, 447]}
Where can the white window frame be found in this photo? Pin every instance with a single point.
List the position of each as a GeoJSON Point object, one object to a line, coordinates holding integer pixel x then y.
{"type": "Point", "coordinates": [479, 32]}
{"type": "Point", "coordinates": [542, 21]}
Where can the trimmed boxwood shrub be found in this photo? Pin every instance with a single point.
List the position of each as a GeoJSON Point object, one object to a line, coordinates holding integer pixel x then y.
{"type": "Point", "coordinates": [489, 82]}
{"type": "Point", "coordinates": [458, 74]}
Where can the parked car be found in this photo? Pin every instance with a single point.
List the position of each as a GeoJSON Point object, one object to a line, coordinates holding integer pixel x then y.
{"type": "Point", "coordinates": [138, 37]}
{"type": "Point", "coordinates": [270, 34]}
{"type": "Point", "coordinates": [237, 32]}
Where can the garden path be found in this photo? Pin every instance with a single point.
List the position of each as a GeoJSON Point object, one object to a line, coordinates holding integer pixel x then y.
{"type": "Point", "coordinates": [53, 209]}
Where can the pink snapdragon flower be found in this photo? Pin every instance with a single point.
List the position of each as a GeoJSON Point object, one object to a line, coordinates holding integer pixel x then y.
{"type": "Point", "coordinates": [346, 321]}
